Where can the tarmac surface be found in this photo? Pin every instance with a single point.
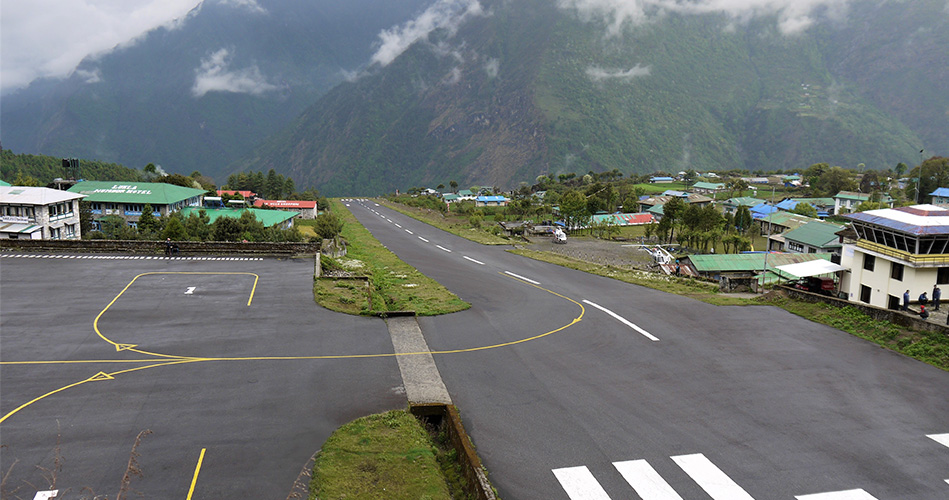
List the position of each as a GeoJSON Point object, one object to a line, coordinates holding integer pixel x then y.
{"type": "Point", "coordinates": [626, 390]}
{"type": "Point", "coordinates": [570, 385]}
{"type": "Point", "coordinates": [186, 352]}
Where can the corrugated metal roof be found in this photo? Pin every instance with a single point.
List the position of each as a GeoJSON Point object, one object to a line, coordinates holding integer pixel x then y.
{"type": "Point", "coordinates": [787, 219]}
{"type": "Point", "coordinates": [762, 210]}
{"type": "Point", "coordinates": [749, 262]}
{"type": "Point", "coordinates": [744, 201]}
{"type": "Point", "coordinates": [941, 192]}
{"type": "Point", "coordinates": [816, 234]}
{"type": "Point", "coordinates": [266, 217]}
{"type": "Point", "coordinates": [916, 220]}
{"type": "Point", "coordinates": [154, 193]}
{"type": "Point", "coordinates": [708, 185]}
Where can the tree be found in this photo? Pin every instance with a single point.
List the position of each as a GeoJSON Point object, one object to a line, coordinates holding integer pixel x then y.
{"type": "Point", "coordinates": [935, 174]}
{"type": "Point", "coordinates": [900, 168]}
{"type": "Point", "coordinates": [226, 229]}
{"type": "Point", "coordinates": [835, 180]}
{"type": "Point", "coordinates": [738, 186]}
{"type": "Point", "coordinates": [573, 208]}
{"type": "Point", "coordinates": [454, 186]}
{"type": "Point", "coordinates": [178, 180]}
{"type": "Point", "coordinates": [85, 218]}
{"type": "Point", "coordinates": [328, 225]}
{"type": "Point", "coordinates": [148, 224]}
{"type": "Point", "coordinates": [25, 180]}
{"type": "Point", "coordinates": [175, 230]}
{"type": "Point", "coordinates": [805, 209]}
{"type": "Point", "coordinates": [743, 220]}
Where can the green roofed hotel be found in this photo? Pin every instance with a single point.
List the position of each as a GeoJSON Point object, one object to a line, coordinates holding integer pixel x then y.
{"type": "Point", "coordinates": [281, 219]}
{"type": "Point", "coordinates": [128, 199]}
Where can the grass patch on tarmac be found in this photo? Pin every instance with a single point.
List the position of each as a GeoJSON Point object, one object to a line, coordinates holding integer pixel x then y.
{"type": "Point", "coordinates": [457, 225]}
{"type": "Point", "coordinates": [383, 456]}
{"type": "Point", "coordinates": [393, 284]}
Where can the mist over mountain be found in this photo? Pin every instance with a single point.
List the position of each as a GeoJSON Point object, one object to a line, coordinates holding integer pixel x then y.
{"type": "Point", "coordinates": [500, 91]}
{"type": "Point", "coordinates": [369, 96]}
{"type": "Point", "coordinates": [199, 93]}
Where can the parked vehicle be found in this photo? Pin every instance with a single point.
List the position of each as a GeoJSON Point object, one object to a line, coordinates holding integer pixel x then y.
{"type": "Point", "coordinates": [813, 284]}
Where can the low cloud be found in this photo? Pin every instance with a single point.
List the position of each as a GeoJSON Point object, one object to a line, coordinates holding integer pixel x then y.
{"type": "Point", "coordinates": [443, 14]}
{"type": "Point", "coordinates": [453, 77]}
{"type": "Point", "coordinates": [793, 15]}
{"type": "Point", "coordinates": [89, 76]}
{"type": "Point", "coordinates": [492, 67]}
{"type": "Point", "coordinates": [214, 75]}
{"type": "Point", "coordinates": [250, 5]}
{"type": "Point", "coordinates": [598, 74]}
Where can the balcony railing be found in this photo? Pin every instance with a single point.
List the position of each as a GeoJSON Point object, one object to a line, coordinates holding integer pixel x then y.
{"type": "Point", "coordinates": [915, 260]}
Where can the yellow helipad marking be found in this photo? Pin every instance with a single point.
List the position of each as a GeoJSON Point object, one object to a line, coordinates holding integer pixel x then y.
{"type": "Point", "coordinates": [100, 376]}
{"type": "Point", "coordinates": [169, 359]}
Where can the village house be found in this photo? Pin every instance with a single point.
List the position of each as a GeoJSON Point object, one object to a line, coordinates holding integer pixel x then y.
{"type": "Point", "coordinates": [39, 213]}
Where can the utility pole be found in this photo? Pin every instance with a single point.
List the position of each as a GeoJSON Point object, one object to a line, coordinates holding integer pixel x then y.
{"type": "Point", "coordinates": [919, 177]}
{"type": "Point", "coordinates": [767, 242]}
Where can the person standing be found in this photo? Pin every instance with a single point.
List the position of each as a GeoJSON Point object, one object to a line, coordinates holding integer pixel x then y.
{"type": "Point", "coordinates": [906, 301]}
{"type": "Point", "coordinates": [937, 294]}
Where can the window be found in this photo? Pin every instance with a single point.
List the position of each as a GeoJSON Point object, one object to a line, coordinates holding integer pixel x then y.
{"type": "Point", "coordinates": [896, 271]}
{"type": "Point", "coordinates": [864, 294]}
{"type": "Point", "coordinates": [869, 261]}
{"type": "Point", "coordinates": [942, 276]}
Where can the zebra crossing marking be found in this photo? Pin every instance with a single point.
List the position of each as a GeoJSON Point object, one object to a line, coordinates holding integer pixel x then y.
{"type": "Point", "coordinates": [715, 482]}
{"type": "Point", "coordinates": [580, 484]}
{"type": "Point", "coordinates": [646, 481]}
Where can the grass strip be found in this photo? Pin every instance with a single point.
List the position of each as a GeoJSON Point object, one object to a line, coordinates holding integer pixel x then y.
{"type": "Point", "coordinates": [928, 347]}
{"type": "Point", "coordinates": [687, 287]}
{"type": "Point", "coordinates": [456, 225]}
{"type": "Point", "coordinates": [393, 284]}
{"type": "Point", "coordinates": [382, 456]}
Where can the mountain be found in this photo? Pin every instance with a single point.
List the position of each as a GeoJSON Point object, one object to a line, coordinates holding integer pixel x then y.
{"type": "Point", "coordinates": [516, 89]}
{"type": "Point", "coordinates": [199, 93]}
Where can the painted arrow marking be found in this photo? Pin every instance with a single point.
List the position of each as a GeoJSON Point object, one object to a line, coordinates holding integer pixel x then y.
{"type": "Point", "coordinates": [124, 347]}
{"type": "Point", "coordinates": [190, 290]}
{"type": "Point", "coordinates": [100, 376]}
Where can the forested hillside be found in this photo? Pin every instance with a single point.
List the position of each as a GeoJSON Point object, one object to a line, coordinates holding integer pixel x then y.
{"type": "Point", "coordinates": [46, 168]}
{"type": "Point", "coordinates": [535, 89]}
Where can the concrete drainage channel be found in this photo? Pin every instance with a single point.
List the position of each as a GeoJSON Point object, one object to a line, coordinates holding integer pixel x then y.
{"type": "Point", "coordinates": [429, 400]}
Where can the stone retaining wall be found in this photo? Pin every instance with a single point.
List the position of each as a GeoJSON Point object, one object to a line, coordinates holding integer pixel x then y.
{"type": "Point", "coordinates": [878, 313]}
{"type": "Point", "coordinates": [158, 247]}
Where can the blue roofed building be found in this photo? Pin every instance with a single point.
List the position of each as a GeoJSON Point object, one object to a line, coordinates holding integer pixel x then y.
{"type": "Point", "coordinates": [940, 196]}
{"type": "Point", "coordinates": [491, 201]}
{"type": "Point", "coordinates": [762, 211]}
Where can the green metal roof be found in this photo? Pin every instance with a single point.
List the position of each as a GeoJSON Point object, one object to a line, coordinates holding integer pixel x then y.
{"type": "Point", "coordinates": [821, 202]}
{"type": "Point", "coordinates": [4, 183]}
{"type": "Point", "coordinates": [154, 193]}
{"type": "Point", "coordinates": [267, 217]}
{"type": "Point", "coordinates": [708, 185]}
{"type": "Point", "coordinates": [749, 262]}
{"type": "Point", "coordinates": [816, 234]}
{"type": "Point", "coordinates": [657, 210]}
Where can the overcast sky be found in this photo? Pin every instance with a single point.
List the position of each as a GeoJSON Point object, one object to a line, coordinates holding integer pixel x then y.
{"type": "Point", "coordinates": [50, 37]}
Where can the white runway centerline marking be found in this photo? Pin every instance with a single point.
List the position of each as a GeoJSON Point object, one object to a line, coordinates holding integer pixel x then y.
{"type": "Point", "coordinates": [646, 481]}
{"type": "Point", "coordinates": [423, 239]}
{"type": "Point", "coordinates": [410, 232]}
{"type": "Point", "coordinates": [839, 495]}
{"type": "Point", "coordinates": [623, 320]}
{"type": "Point", "coordinates": [518, 276]}
{"type": "Point", "coordinates": [472, 260]}
{"type": "Point", "coordinates": [580, 484]}
{"type": "Point", "coordinates": [715, 482]}
{"type": "Point", "coordinates": [443, 248]}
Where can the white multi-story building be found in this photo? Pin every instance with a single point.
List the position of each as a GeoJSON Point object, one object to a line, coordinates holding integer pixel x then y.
{"type": "Point", "coordinates": [897, 249]}
{"type": "Point", "coordinates": [38, 213]}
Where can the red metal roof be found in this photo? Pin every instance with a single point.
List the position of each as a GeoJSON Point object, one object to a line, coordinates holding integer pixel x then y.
{"type": "Point", "coordinates": [245, 194]}
{"type": "Point", "coordinates": [308, 204]}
